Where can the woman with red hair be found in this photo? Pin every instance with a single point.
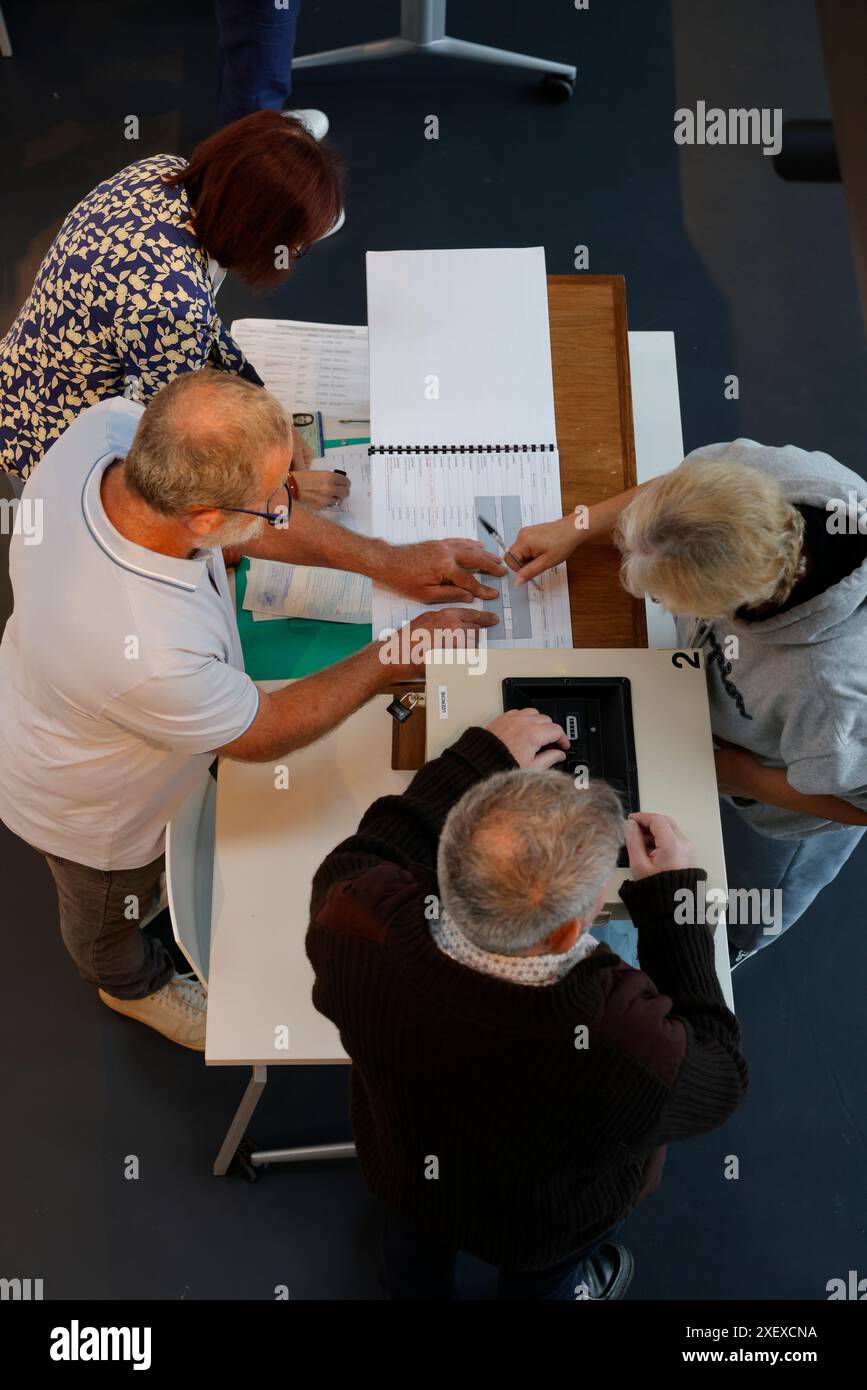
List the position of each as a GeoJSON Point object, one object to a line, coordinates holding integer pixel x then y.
{"type": "Point", "coordinates": [124, 299]}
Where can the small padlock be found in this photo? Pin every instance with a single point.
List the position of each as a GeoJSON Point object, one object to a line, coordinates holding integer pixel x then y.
{"type": "Point", "coordinates": [401, 709]}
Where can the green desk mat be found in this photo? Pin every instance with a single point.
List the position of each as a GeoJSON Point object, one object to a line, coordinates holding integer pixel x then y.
{"type": "Point", "coordinates": [287, 647]}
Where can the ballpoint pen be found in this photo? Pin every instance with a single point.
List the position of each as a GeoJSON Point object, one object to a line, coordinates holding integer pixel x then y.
{"type": "Point", "coordinates": [492, 531]}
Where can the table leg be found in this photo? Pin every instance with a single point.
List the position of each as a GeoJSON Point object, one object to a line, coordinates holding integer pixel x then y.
{"type": "Point", "coordinates": [241, 1119]}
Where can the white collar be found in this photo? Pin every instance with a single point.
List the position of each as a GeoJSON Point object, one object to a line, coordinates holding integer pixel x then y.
{"type": "Point", "coordinates": [518, 970]}
{"type": "Point", "coordinates": [216, 274]}
{"type": "Point", "coordinates": [152, 564]}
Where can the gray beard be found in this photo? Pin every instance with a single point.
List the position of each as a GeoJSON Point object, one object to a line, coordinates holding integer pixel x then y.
{"type": "Point", "coordinates": [236, 532]}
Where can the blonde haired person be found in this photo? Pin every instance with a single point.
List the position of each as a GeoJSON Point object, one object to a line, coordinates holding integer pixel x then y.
{"type": "Point", "coordinates": [761, 554]}
{"type": "Point", "coordinates": [710, 538]}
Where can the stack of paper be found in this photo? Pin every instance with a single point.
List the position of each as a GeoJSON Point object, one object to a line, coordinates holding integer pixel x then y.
{"type": "Point", "coordinates": [303, 591]}
{"type": "Point", "coordinates": [321, 366]}
{"type": "Point", "coordinates": [308, 366]}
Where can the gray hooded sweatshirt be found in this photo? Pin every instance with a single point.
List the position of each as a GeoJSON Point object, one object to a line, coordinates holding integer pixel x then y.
{"type": "Point", "coordinates": [801, 675]}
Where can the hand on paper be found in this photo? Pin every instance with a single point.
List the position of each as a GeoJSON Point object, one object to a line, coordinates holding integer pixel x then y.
{"type": "Point", "coordinates": [453, 629]}
{"type": "Point", "coordinates": [532, 738]}
{"type": "Point", "coordinates": [655, 843]}
{"type": "Point", "coordinates": [318, 488]}
{"type": "Point", "coordinates": [441, 571]}
{"type": "Point", "coordinates": [540, 548]}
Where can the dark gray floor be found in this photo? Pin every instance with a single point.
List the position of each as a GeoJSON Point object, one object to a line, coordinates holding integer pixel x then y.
{"type": "Point", "coordinates": [755, 278]}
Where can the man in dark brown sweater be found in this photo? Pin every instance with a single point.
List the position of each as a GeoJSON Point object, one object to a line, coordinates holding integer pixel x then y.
{"type": "Point", "coordinates": [514, 1083]}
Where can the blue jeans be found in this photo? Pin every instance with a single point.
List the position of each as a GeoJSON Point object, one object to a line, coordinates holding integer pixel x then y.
{"type": "Point", "coordinates": [256, 46]}
{"type": "Point", "coordinates": [621, 937]}
{"type": "Point", "coordinates": [800, 869]}
{"type": "Point", "coordinates": [417, 1267]}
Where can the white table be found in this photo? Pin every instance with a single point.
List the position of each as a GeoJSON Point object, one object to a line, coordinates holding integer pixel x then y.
{"type": "Point", "coordinates": [269, 842]}
{"type": "Point", "coordinates": [658, 436]}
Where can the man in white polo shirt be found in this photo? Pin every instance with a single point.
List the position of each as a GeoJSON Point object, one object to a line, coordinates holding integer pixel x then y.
{"type": "Point", "coordinates": [121, 674]}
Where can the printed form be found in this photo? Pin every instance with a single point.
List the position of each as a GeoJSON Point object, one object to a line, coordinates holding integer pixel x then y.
{"type": "Point", "coordinates": [305, 591]}
{"type": "Point", "coordinates": [433, 497]}
{"type": "Point", "coordinates": [308, 367]}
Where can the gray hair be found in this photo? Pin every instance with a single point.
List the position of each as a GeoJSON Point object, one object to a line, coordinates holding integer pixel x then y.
{"type": "Point", "coordinates": [525, 851]}
{"type": "Point", "coordinates": [202, 442]}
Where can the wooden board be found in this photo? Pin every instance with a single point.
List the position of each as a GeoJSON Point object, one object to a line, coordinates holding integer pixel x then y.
{"type": "Point", "coordinates": [408, 738]}
{"type": "Point", "coordinates": [593, 405]}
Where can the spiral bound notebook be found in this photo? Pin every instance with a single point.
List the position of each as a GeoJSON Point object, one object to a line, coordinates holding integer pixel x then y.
{"type": "Point", "coordinates": [460, 351]}
{"type": "Point", "coordinates": [462, 418]}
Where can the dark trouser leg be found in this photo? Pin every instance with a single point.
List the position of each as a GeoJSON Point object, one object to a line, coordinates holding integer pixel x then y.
{"type": "Point", "coordinates": [256, 48]}
{"type": "Point", "coordinates": [561, 1282]}
{"type": "Point", "coordinates": [413, 1265]}
{"type": "Point", "coordinates": [796, 870]}
{"type": "Point", "coordinates": [100, 911]}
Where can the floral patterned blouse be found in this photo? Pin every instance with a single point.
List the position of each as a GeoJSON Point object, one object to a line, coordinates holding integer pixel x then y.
{"type": "Point", "coordinates": [122, 303]}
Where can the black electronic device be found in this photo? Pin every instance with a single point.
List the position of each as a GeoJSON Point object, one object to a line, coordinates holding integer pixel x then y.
{"type": "Point", "coordinates": [595, 712]}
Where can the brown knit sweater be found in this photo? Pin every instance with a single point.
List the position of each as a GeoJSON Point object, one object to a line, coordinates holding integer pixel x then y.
{"type": "Point", "coordinates": [474, 1112]}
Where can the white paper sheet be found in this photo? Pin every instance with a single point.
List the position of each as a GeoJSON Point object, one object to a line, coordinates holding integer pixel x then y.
{"type": "Point", "coordinates": [355, 511]}
{"type": "Point", "coordinates": [320, 366]}
{"type": "Point", "coordinates": [432, 497]}
{"type": "Point", "coordinates": [308, 366]}
{"type": "Point", "coordinates": [460, 349]}
{"type": "Point", "coordinates": [304, 591]}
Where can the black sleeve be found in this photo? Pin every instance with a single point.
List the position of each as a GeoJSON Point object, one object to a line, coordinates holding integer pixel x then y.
{"type": "Point", "coordinates": [678, 956]}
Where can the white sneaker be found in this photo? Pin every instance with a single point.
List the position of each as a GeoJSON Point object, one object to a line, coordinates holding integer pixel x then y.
{"type": "Point", "coordinates": [178, 1011]}
{"type": "Point", "coordinates": [316, 121]}
{"type": "Point", "coordinates": [338, 224]}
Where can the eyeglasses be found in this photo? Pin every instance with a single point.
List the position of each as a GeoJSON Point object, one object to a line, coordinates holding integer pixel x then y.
{"type": "Point", "coordinates": [275, 516]}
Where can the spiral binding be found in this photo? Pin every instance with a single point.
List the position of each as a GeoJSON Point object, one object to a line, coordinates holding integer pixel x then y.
{"type": "Point", "coordinates": [461, 448]}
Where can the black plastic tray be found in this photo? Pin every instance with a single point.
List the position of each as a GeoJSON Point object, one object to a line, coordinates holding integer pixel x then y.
{"type": "Point", "coordinates": [596, 714]}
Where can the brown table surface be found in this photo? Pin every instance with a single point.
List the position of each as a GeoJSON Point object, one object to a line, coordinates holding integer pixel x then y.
{"type": "Point", "coordinates": [593, 407]}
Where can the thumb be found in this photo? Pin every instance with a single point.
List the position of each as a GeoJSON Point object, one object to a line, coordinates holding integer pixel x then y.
{"type": "Point", "coordinates": [635, 848]}
{"type": "Point", "coordinates": [476, 589]}
{"type": "Point", "coordinates": [549, 757]}
{"type": "Point", "coordinates": [532, 570]}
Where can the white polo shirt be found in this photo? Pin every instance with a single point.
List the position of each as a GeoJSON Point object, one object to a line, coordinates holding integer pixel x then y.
{"type": "Point", "coordinates": [120, 668]}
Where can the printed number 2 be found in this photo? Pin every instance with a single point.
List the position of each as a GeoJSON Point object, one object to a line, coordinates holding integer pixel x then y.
{"type": "Point", "coordinates": [691, 658]}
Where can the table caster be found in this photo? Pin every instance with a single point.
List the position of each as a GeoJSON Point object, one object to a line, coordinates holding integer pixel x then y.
{"type": "Point", "coordinates": [242, 1162]}
{"type": "Point", "coordinates": [557, 88]}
